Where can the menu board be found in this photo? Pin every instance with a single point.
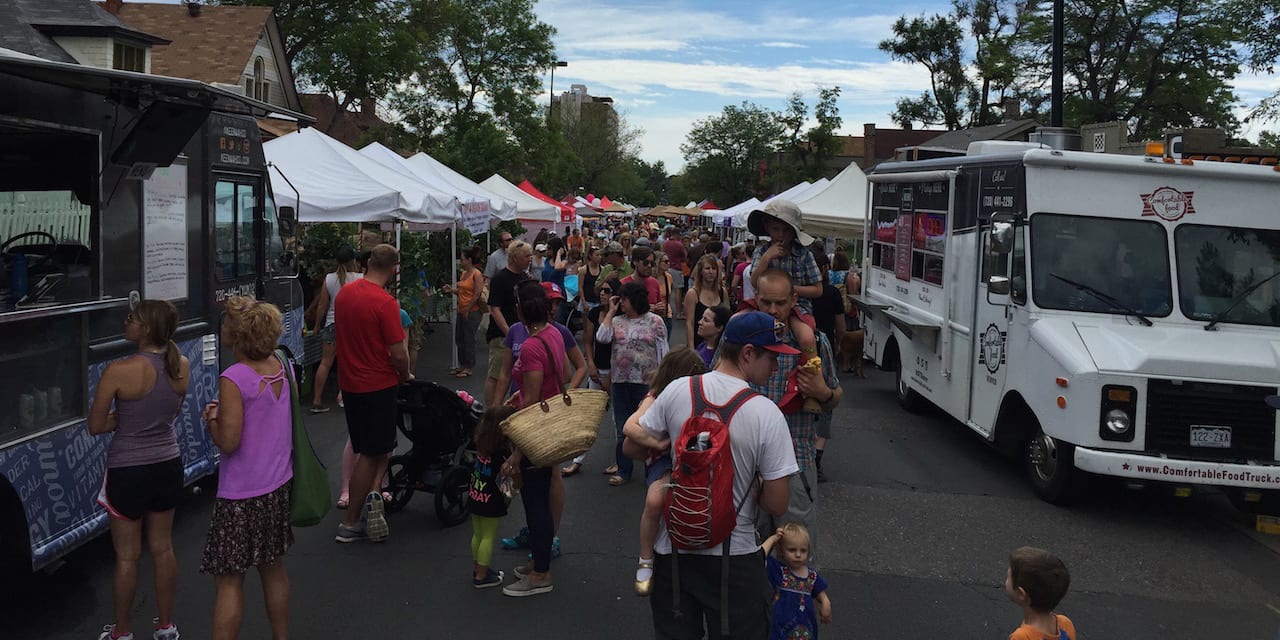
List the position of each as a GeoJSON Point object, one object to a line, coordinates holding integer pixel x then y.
{"type": "Point", "coordinates": [902, 265]}
{"type": "Point", "coordinates": [164, 233]}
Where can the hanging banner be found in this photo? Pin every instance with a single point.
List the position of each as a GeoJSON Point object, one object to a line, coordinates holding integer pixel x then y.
{"type": "Point", "coordinates": [475, 217]}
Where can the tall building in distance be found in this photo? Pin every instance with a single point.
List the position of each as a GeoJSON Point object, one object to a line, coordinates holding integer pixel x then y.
{"type": "Point", "coordinates": [577, 106]}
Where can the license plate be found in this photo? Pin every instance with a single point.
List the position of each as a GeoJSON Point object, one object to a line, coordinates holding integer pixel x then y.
{"type": "Point", "coordinates": [1210, 436]}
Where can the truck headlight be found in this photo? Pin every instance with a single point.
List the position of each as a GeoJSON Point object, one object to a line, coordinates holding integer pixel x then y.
{"type": "Point", "coordinates": [1118, 413]}
{"type": "Point", "coordinates": [1118, 421]}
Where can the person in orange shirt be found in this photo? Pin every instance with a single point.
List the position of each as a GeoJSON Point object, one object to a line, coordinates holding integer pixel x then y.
{"type": "Point", "coordinates": [1037, 581]}
{"type": "Point", "coordinates": [470, 284]}
{"type": "Point", "coordinates": [574, 240]}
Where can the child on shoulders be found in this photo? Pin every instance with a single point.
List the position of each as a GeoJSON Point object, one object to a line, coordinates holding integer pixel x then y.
{"type": "Point", "coordinates": [1037, 581]}
{"type": "Point", "coordinates": [788, 251]}
{"type": "Point", "coordinates": [796, 585]}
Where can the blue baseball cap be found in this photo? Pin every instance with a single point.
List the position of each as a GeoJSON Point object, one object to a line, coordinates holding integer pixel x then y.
{"type": "Point", "coordinates": [760, 329]}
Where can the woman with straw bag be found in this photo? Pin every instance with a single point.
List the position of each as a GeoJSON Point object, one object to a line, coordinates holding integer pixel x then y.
{"type": "Point", "coordinates": [539, 373]}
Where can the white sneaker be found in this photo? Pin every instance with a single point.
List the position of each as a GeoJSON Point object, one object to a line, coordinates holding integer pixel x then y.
{"type": "Point", "coordinates": [108, 629]}
{"type": "Point", "coordinates": [168, 633]}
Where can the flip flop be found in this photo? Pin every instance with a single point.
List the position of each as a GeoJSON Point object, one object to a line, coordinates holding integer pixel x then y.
{"type": "Point", "coordinates": [610, 470]}
{"type": "Point", "coordinates": [617, 481]}
{"type": "Point", "coordinates": [462, 374]}
{"type": "Point", "coordinates": [571, 470]}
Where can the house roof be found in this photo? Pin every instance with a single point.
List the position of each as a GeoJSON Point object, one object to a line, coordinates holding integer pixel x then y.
{"type": "Point", "coordinates": [213, 46]}
{"type": "Point", "coordinates": [352, 129]}
{"type": "Point", "coordinates": [27, 26]}
{"type": "Point", "coordinates": [887, 141]}
{"type": "Point", "coordinates": [959, 140]}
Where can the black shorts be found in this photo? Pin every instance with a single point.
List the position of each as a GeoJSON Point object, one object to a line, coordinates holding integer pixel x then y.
{"type": "Point", "coordinates": [371, 420]}
{"type": "Point", "coordinates": [750, 597]}
{"type": "Point", "coordinates": [128, 493]}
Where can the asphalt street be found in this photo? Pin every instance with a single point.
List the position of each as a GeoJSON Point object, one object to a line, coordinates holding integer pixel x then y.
{"type": "Point", "coordinates": [916, 526]}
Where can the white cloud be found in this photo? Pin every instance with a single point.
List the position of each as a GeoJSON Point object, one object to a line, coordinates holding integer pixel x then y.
{"type": "Point", "coordinates": [879, 82]}
{"type": "Point", "coordinates": [649, 26]}
{"type": "Point", "coordinates": [783, 45]}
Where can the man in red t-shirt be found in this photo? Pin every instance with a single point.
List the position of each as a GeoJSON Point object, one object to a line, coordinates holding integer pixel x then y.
{"type": "Point", "coordinates": [374, 361]}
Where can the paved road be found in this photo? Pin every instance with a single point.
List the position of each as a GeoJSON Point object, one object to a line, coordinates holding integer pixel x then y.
{"type": "Point", "coordinates": [916, 527]}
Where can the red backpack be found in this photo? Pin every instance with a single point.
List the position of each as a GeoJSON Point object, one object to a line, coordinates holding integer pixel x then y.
{"type": "Point", "coordinates": [700, 512]}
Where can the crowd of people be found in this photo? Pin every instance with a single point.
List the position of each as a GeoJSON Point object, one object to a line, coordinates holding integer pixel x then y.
{"type": "Point", "coordinates": [738, 409]}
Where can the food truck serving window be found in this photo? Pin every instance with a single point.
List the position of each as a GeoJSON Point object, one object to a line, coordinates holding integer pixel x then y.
{"type": "Point", "coordinates": [234, 204]}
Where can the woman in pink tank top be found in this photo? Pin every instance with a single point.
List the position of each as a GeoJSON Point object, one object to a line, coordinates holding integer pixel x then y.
{"type": "Point", "coordinates": [252, 424]}
{"type": "Point", "coordinates": [144, 478]}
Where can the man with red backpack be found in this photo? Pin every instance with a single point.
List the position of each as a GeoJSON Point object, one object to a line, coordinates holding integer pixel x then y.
{"type": "Point", "coordinates": [731, 457]}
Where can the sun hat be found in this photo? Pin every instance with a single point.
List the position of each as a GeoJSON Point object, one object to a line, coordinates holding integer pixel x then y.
{"type": "Point", "coordinates": [785, 211]}
{"type": "Point", "coordinates": [540, 248]}
{"type": "Point", "coordinates": [553, 291]}
{"type": "Point", "coordinates": [757, 328]}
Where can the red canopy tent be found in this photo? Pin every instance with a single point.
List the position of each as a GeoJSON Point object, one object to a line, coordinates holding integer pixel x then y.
{"type": "Point", "coordinates": [567, 213]}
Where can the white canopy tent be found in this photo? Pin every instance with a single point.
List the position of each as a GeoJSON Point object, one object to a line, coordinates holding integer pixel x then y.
{"type": "Point", "coordinates": [435, 172]}
{"type": "Point", "coordinates": [332, 182]}
{"type": "Point", "coordinates": [527, 206]}
{"type": "Point", "coordinates": [840, 209]}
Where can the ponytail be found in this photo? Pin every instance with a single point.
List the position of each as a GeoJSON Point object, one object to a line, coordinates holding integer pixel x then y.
{"type": "Point", "coordinates": [173, 360]}
{"type": "Point", "coordinates": [341, 271]}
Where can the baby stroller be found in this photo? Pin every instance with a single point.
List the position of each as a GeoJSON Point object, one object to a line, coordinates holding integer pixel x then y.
{"type": "Point", "coordinates": [439, 426]}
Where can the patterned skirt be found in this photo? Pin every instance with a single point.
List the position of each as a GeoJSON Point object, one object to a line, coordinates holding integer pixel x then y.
{"type": "Point", "coordinates": [253, 532]}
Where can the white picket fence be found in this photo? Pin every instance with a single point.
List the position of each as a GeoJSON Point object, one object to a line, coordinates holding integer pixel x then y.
{"type": "Point", "coordinates": [54, 212]}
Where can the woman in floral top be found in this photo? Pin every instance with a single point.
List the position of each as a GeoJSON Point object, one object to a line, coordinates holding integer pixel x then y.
{"type": "Point", "coordinates": [639, 340]}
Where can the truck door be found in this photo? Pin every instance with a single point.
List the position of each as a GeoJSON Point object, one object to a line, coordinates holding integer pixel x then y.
{"type": "Point", "coordinates": [237, 261]}
{"type": "Point", "coordinates": [991, 325]}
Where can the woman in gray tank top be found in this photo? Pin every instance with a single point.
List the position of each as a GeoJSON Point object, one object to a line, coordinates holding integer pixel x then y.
{"type": "Point", "coordinates": [144, 476]}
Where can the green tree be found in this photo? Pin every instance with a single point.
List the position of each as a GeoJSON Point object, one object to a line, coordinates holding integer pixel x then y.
{"type": "Point", "coordinates": [477, 87]}
{"type": "Point", "coordinates": [993, 30]}
{"type": "Point", "coordinates": [725, 153]}
{"type": "Point", "coordinates": [1260, 20]}
{"type": "Point", "coordinates": [604, 142]}
{"type": "Point", "coordinates": [1155, 64]}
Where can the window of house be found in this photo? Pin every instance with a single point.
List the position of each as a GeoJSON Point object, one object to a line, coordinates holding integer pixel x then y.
{"type": "Point", "coordinates": [127, 57]}
{"type": "Point", "coordinates": [257, 86]}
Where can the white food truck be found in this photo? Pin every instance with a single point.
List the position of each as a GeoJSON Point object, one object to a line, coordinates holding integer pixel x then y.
{"type": "Point", "coordinates": [1116, 315]}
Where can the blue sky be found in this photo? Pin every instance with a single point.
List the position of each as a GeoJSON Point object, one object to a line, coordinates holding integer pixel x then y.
{"type": "Point", "coordinates": [668, 63]}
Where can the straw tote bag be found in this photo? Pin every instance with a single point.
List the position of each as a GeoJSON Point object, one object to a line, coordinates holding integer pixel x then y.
{"type": "Point", "coordinates": [559, 427]}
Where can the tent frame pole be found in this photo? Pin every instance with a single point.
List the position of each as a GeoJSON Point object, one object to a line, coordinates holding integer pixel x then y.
{"type": "Point", "coordinates": [453, 252]}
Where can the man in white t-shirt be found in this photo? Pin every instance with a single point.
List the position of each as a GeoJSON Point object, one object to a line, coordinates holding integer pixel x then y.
{"type": "Point", "coordinates": [763, 460]}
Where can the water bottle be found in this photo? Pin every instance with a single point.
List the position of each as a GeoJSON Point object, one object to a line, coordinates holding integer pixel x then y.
{"type": "Point", "coordinates": [702, 443]}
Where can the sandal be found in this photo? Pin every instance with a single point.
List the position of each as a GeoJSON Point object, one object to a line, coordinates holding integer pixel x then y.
{"type": "Point", "coordinates": [610, 470]}
{"type": "Point", "coordinates": [571, 470]}
{"type": "Point", "coordinates": [617, 480]}
{"type": "Point", "coordinates": [462, 374]}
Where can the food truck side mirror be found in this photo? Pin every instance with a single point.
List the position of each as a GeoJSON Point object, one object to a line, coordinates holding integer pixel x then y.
{"type": "Point", "coordinates": [998, 286]}
{"type": "Point", "coordinates": [1002, 236]}
{"type": "Point", "coordinates": [288, 219]}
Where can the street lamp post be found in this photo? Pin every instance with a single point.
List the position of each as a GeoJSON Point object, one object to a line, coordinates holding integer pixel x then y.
{"type": "Point", "coordinates": [551, 101]}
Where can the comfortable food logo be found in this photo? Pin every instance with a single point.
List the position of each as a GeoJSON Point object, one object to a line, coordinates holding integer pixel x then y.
{"type": "Point", "coordinates": [1168, 203]}
{"type": "Point", "coordinates": [991, 352]}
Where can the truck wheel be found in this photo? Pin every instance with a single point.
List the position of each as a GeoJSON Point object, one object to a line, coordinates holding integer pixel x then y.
{"type": "Point", "coordinates": [907, 397]}
{"type": "Point", "coordinates": [1050, 465]}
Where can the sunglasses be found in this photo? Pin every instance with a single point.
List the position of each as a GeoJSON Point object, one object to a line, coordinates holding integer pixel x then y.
{"type": "Point", "coordinates": [606, 290]}
{"type": "Point", "coordinates": [647, 263]}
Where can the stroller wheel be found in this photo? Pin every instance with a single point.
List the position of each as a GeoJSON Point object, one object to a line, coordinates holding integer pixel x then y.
{"type": "Point", "coordinates": [451, 496]}
{"type": "Point", "coordinates": [399, 483]}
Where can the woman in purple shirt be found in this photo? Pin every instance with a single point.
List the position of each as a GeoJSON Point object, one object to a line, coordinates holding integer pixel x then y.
{"type": "Point", "coordinates": [251, 423]}
{"type": "Point", "coordinates": [144, 477]}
